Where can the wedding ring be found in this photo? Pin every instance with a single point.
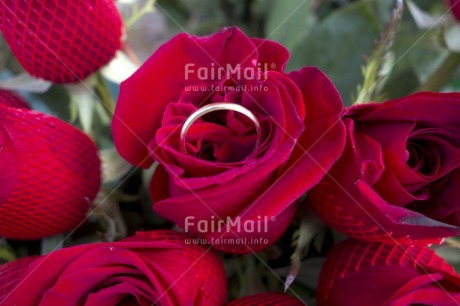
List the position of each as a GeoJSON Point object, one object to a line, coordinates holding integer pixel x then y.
{"type": "Point", "coordinates": [217, 107]}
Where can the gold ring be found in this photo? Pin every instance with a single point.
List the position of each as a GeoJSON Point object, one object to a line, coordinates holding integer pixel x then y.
{"type": "Point", "coordinates": [216, 107]}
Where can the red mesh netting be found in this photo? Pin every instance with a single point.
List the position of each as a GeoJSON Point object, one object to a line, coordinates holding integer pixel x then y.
{"type": "Point", "coordinates": [11, 273]}
{"type": "Point", "coordinates": [267, 299]}
{"type": "Point", "coordinates": [50, 173]}
{"type": "Point", "coordinates": [355, 268]}
{"type": "Point", "coordinates": [326, 206]}
{"type": "Point", "coordinates": [61, 41]}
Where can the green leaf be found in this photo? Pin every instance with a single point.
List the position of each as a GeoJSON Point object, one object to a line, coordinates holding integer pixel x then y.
{"type": "Point", "coordinates": [339, 43]}
{"type": "Point", "coordinates": [84, 101]}
{"type": "Point", "coordinates": [393, 88]}
{"type": "Point", "coordinates": [422, 18]}
{"type": "Point", "coordinates": [51, 244]}
{"type": "Point", "coordinates": [450, 251]}
{"type": "Point", "coordinates": [54, 102]}
{"type": "Point", "coordinates": [6, 252]}
{"type": "Point", "coordinates": [289, 21]}
{"type": "Point", "coordinates": [203, 9]}
{"type": "Point", "coordinates": [251, 281]}
{"type": "Point", "coordinates": [309, 227]}
{"type": "Point", "coordinates": [418, 55]}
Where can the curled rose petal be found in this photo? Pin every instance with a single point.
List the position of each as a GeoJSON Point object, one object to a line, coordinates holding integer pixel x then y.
{"type": "Point", "coordinates": [61, 41]}
{"type": "Point", "coordinates": [374, 273]}
{"type": "Point", "coordinates": [399, 172]}
{"type": "Point", "coordinates": [157, 267]}
{"type": "Point", "coordinates": [50, 173]}
{"type": "Point", "coordinates": [222, 184]}
{"type": "Point", "coordinates": [268, 299]}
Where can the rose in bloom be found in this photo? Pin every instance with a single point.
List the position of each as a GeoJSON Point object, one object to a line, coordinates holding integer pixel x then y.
{"type": "Point", "coordinates": [61, 40]}
{"type": "Point", "coordinates": [271, 298]}
{"type": "Point", "coordinates": [221, 181]}
{"type": "Point", "coordinates": [400, 170]}
{"type": "Point", "coordinates": [150, 268]}
{"type": "Point", "coordinates": [373, 273]}
{"type": "Point", "coordinates": [50, 173]}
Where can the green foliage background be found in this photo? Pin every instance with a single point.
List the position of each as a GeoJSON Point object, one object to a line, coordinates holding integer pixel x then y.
{"type": "Point", "coordinates": [335, 35]}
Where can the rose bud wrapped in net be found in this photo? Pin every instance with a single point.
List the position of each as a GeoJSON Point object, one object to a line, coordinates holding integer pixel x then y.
{"type": "Point", "coordinates": [50, 173]}
{"type": "Point", "coordinates": [374, 273]}
{"type": "Point", "coordinates": [61, 41]}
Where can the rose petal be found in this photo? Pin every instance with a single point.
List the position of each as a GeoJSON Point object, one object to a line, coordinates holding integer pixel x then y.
{"type": "Point", "coordinates": [272, 55]}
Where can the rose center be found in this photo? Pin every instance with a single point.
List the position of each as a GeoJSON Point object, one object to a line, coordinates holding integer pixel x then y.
{"type": "Point", "coordinates": [206, 152]}
{"type": "Point", "coordinates": [419, 157]}
{"type": "Point", "coordinates": [236, 144]}
{"type": "Point", "coordinates": [232, 137]}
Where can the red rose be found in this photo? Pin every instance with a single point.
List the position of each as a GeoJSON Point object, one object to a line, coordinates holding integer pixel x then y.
{"type": "Point", "coordinates": [400, 171]}
{"type": "Point", "coordinates": [151, 268]}
{"type": "Point", "coordinates": [61, 40]}
{"type": "Point", "coordinates": [220, 178]}
{"type": "Point", "coordinates": [372, 273]}
{"type": "Point", "coordinates": [49, 174]}
{"type": "Point", "coordinates": [267, 299]}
